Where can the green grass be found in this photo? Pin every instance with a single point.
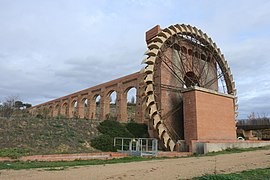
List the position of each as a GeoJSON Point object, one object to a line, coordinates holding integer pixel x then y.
{"type": "Point", "coordinates": [234, 150]}
{"type": "Point", "coordinates": [250, 174]}
{"type": "Point", "coordinates": [13, 153]}
{"type": "Point", "coordinates": [16, 165]}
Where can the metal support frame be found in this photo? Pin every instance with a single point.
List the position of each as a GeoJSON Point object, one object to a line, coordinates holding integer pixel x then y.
{"type": "Point", "coordinates": [136, 146]}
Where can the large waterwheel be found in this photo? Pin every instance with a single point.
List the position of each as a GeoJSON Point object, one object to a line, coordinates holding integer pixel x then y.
{"type": "Point", "coordinates": [180, 57]}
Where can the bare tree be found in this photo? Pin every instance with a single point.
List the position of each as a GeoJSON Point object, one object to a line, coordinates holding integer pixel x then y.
{"type": "Point", "coordinates": [252, 116]}
{"type": "Point", "coordinates": [253, 119]}
{"type": "Point", "coordinates": [8, 106]}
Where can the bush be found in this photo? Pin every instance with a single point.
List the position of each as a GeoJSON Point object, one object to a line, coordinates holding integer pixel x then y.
{"type": "Point", "coordinates": [39, 116]}
{"type": "Point", "coordinates": [113, 129]}
{"type": "Point", "coordinates": [138, 130]}
{"type": "Point", "coordinates": [103, 142]}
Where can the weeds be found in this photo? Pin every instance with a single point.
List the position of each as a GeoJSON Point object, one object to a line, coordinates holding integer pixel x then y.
{"type": "Point", "coordinates": [250, 174]}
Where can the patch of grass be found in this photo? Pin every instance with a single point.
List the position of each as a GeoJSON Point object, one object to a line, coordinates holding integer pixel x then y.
{"type": "Point", "coordinates": [250, 174]}
{"type": "Point", "coordinates": [63, 164]}
{"type": "Point", "coordinates": [14, 153]}
{"type": "Point", "coordinates": [234, 150]}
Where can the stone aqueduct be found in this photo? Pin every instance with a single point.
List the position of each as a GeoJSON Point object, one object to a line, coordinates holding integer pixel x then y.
{"type": "Point", "coordinates": [66, 107]}
{"type": "Point", "coordinates": [178, 92]}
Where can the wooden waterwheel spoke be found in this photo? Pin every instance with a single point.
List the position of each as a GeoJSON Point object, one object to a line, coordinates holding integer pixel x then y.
{"type": "Point", "coordinates": [212, 81]}
{"type": "Point", "coordinates": [167, 61]}
{"type": "Point", "coordinates": [182, 58]}
{"type": "Point", "coordinates": [171, 112]}
{"type": "Point", "coordinates": [189, 64]}
{"type": "Point", "coordinates": [172, 71]}
{"type": "Point", "coordinates": [208, 60]}
{"type": "Point", "coordinates": [194, 64]}
{"type": "Point", "coordinates": [172, 88]}
{"type": "Point", "coordinates": [195, 50]}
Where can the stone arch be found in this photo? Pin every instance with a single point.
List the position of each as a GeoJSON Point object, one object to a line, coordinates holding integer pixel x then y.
{"type": "Point", "coordinates": [97, 100]}
{"type": "Point", "coordinates": [73, 110]}
{"type": "Point", "coordinates": [190, 52]}
{"type": "Point", "coordinates": [83, 107]}
{"type": "Point", "coordinates": [65, 109]}
{"type": "Point", "coordinates": [56, 110]}
{"type": "Point", "coordinates": [184, 49]}
{"type": "Point", "coordinates": [50, 107]}
{"type": "Point", "coordinates": [130, 95]}
{"type": "Point", "coordinates": [203, 57]}
{"type": "Point", "coordinates": [110, 103]}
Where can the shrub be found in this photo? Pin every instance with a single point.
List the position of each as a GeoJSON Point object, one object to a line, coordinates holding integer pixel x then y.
{"type": "Point", "coordinates": [39, 116]}
{"type": "Point", "coordinates": [113, 129]}
{"type": "Point", "coordinates": [137, 130]}
{"type": "Point", "coordinates": [103, 142]}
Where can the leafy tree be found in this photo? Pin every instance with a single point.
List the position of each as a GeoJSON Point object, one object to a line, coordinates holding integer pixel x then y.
{"type": "Point", "coordinates": [27, 105]}
{"type": "Point", "coordinates": [18, 104]}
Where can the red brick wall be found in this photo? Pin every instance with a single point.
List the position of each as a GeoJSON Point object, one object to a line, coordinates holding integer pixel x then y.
{"type": "Point", "coordinates": [208, 116]}
{"type": "Point", "coordinates": [190, 116]}
{"type": "Point", "coordinates": [152, 33]}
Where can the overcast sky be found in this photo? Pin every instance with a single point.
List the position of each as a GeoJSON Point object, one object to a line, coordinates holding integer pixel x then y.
{"type": "Point", "coordinates": [51, 48]}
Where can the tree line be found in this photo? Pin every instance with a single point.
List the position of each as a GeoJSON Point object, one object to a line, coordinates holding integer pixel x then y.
{"type": "Point", "coordinates": [255, 119]}
{"type": "Point", "coordinates": [12, 106]}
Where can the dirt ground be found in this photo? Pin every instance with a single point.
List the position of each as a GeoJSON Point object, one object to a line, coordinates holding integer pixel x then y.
{"type": "Point", "coordinates": [181, 168]}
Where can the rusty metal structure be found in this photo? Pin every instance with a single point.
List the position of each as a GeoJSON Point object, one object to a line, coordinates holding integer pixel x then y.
{"type": "Point", "coordinates": [179, 57]}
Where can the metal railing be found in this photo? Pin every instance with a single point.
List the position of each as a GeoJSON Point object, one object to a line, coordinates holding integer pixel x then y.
{"type": "Point", "coordinates": [136, 146]}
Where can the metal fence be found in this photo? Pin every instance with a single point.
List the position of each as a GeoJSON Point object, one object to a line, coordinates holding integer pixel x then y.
{"type": "Point", "coordinates": [136, 146]}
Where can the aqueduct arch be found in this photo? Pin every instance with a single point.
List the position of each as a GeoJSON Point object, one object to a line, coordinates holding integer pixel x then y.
{"type": "Point", "coordinates": [182, 87]}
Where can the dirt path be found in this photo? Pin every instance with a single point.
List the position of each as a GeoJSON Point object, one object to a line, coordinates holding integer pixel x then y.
{"type": "Point", "coordinates": [181, 168]}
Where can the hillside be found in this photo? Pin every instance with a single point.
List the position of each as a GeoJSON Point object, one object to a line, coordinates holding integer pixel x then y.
{"type": "Point", "coordinates": [49, 136]}
{"type": "Point", "coordinates": [46, 136]}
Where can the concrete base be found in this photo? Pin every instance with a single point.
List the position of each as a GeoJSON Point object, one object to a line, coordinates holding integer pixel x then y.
{"type": "Point", "coordinates": [206, 147]}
